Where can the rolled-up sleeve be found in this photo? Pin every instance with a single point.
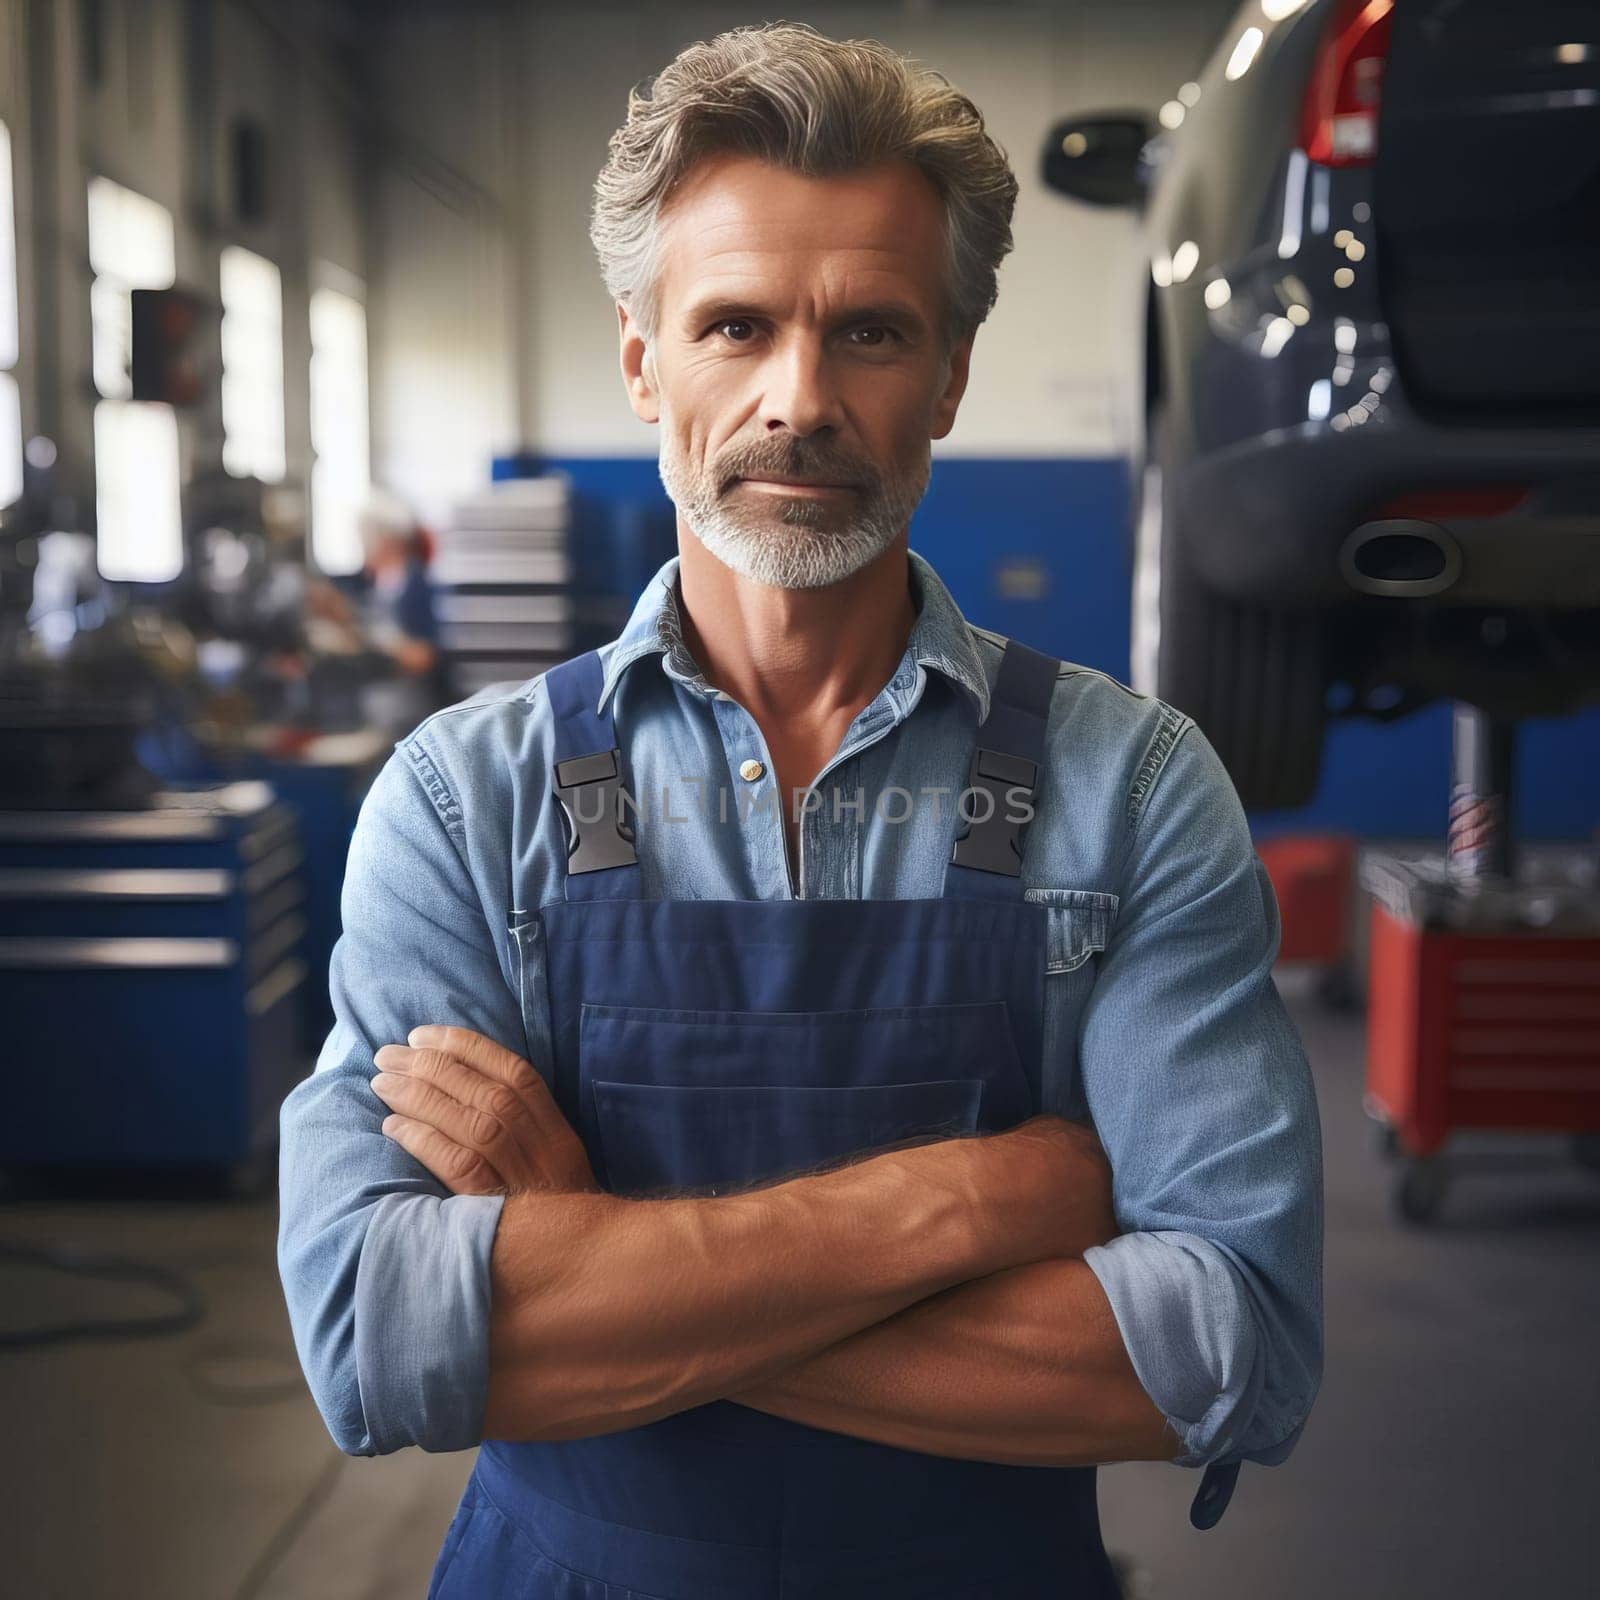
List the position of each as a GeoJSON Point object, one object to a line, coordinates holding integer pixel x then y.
{"type": "Point", "coordinates": [1200, 1090]}
{"type": "Point", "coordinates": [386, 1274]}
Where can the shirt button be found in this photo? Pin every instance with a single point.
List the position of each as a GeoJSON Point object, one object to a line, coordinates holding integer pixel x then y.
{"type": "Point", "coordinates": [751, 770]}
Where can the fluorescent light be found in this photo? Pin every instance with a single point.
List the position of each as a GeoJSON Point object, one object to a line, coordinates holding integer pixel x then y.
{"type": "Point", "coordinates": [1244, 53]}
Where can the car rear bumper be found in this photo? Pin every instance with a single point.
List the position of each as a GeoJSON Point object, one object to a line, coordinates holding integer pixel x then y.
{"type": "Point", "coordinates": [1266, 518]}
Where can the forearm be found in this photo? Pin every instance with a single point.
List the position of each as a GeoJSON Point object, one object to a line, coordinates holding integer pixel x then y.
{"type": "Point", "coordinates": [414, 656]}
{"type": "Point", "coordinates": [1024, 1367]}
{"type": "Point", "coordinates": [608, 1313]}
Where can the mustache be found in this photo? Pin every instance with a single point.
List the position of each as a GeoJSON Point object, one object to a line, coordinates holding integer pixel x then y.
{"type": "Point", "coordinates": [822, 466]}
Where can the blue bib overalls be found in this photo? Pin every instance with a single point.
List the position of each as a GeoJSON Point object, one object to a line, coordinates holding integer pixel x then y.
{"type": "Point", "coordinates": [702, 1043]}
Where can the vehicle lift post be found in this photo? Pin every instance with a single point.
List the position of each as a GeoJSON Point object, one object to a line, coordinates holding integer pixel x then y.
{"type": "Point", "coordinates": [1482, 758]}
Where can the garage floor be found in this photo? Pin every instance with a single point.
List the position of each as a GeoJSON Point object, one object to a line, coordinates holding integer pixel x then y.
{"type": "Point", "coordinates": [1452, 1453]}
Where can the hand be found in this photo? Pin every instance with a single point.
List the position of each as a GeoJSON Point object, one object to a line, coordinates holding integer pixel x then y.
{"type": "Point", "coordinates": [1070, 1181]}
{"type": "Point", "coordinates": [413, 656]}
{"type": "Point", "coordinates": [324, 601]}
{"type": "Point", "coordinates": [478, 1117]}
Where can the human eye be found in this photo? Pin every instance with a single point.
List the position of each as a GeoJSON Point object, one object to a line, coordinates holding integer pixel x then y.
{"type": "Point", "coordinates": [890, 336]}
{"type": "Point", "coordinates": [733, 322]}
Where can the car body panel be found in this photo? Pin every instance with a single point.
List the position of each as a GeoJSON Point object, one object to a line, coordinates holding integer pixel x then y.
{"type": "Point", "coordinates": [1292, 421]}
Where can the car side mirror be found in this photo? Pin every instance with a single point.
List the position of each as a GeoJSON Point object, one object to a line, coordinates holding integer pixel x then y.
{"type": "Point", "coordinates": [1099, 160]}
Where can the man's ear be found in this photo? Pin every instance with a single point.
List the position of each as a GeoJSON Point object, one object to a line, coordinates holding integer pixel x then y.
{"type": "Point", "coordinates": [638, 369]}
{"type": "Point", "coordinates": [944, 411]}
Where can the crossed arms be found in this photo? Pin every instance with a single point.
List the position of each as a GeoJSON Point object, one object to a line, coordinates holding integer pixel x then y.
{"type": "Point", "coordinates": [931, 1298]}
{"type": "Point", "coordinates": [964, 1297]}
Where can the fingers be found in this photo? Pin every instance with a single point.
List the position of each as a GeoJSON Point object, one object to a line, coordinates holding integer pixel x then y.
{"type": "Point", "coordinates": [500, 1065]}
{"type": "Point", "coordinates": [453, 1077]}
{"type": "Point", "coordinates": [480, 1131]}
{"type": "Point", "coordinates": [459, 1169]}
{"type": "Point", "coordinates": [459, 1083]}
{"type": "Point", "coordinates": [486, 1098]}
{"type": "Point", "coordinates": [477, 1051]}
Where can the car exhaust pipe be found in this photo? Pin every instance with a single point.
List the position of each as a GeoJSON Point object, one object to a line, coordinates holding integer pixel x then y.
{"type": "Point", "coordinates": [1400, 557]}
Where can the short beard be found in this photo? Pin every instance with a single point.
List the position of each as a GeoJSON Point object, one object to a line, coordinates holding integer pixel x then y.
{"type": "Point", "coordinates": [796, 543]}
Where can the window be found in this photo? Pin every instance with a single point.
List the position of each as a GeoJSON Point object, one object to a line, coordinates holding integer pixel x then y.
{"type": "Point", "coordinates": [131, 246]}
{"type": "Point", "coordinates": [139, 527]}
{"type": "Point", "coordinates": [252, 366]}
{"type": "Point", "coordinates": [10, 398]}
{"type": "Point", "coordinates": [136, 492]}
{"type": "Point", "coordinates": [341, 474]}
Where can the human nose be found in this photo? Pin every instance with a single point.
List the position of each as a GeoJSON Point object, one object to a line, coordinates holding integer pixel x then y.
{"type": "Point", "coordinates": [799, 391]}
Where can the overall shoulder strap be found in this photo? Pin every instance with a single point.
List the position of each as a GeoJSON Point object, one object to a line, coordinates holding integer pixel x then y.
{"type": "Point", "coordinates": [1003, 778]}
{"type": "Point", "coordinates": [588, 780]}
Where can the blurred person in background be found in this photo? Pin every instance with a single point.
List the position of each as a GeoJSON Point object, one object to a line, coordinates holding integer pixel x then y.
{"type": "Point", "coordinates": [392, 616]}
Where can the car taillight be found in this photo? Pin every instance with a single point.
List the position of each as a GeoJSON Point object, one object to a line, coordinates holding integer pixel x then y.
{"type": "Point", "coordinates": [1339, 124]}
{"type": "Point", "coordinates": [1442, 505]}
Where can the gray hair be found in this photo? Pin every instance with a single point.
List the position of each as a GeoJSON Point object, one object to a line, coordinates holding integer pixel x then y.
{"type": "Point", "coordinates": [791, 96]}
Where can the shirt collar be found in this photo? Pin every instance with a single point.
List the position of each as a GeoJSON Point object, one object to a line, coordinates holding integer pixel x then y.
{"type": "Point", "coordinates": [940, 637]}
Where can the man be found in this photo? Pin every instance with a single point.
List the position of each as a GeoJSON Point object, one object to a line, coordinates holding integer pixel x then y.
{"type": "Point", "coordinates": [803, 1199]}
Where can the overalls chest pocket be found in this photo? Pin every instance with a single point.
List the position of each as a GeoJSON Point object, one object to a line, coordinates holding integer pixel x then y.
{"type": "Point", "coordinates": [722, 1099]}
{"type": "Point", "coordinates": [1078, 928]}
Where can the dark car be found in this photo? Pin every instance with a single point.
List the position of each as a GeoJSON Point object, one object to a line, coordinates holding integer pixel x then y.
{"type": "Point", "coordinates": [1368, 467]}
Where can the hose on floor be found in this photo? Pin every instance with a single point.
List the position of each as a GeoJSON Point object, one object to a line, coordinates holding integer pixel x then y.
{"type": "Point", "coordinates": [187, 1312]}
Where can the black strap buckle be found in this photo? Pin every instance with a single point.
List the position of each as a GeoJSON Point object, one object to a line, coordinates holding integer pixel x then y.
{"type": "Point", "coordinates": [597, 836]}
{"type": "Point", "coordinates": [993, 842]}
{"type": "Point", "coordinates": [1213, 1495]}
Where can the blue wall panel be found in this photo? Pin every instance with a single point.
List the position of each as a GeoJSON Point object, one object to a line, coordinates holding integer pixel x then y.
{"type": "Point", "coordinates": [1393, 779]}
{"type": "Point", "coordinates": [1036, 548]}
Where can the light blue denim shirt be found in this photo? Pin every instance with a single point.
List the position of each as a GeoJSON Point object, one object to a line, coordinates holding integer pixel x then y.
{"type": "Point", "coordinates": [1162, 1022]}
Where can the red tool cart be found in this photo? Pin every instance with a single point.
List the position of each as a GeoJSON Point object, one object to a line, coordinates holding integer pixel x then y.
{"type": "Point", "coordinates": [1483, 983]}
{"type": "Point", "coordinates": [1314, 879]}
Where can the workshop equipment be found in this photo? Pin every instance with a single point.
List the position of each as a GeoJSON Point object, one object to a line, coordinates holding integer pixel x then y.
{"type": "Point", "coordinates": [1312, 876]}
{"type": "Point", "coordinates": [150, 977]}
{"type": "Point", "coordinates": [321, 778]}
{"type": "Point", "coordinates": [1483, 980]}
{"type": "Point", "coordinates": [506, 571]}
{"type": "Point", "coordinates": [74, 686]}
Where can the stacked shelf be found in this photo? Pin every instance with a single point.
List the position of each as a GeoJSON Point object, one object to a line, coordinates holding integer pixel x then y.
{"type": "Point", "coordinates": [506, 578]}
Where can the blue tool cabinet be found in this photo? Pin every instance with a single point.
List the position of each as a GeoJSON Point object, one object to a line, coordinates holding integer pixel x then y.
{"type": "Point", "coordinates": [151, 977]}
